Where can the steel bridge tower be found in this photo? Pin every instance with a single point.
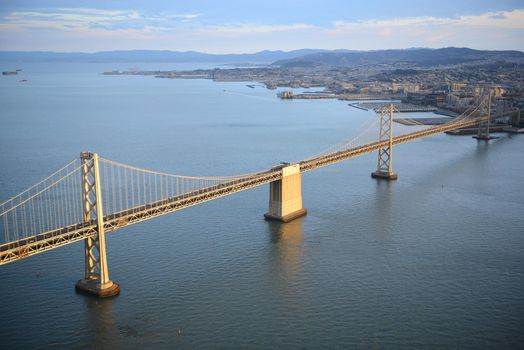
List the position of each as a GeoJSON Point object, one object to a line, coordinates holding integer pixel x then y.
{"type": "Point", "coordinates": [96, 280]}
{"type": "Point", "coordinates": [484, 125]}
{"type": "Point", "coordinates": [385, 153]}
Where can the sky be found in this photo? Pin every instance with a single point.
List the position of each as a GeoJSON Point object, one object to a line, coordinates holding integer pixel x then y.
{"type": "Point", "coordinates": [231, 26]}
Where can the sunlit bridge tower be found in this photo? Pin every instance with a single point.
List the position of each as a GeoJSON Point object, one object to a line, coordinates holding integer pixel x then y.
{"type": "Point", "coordinates": [485, 115]}
{"type": "Point", "coordinates": [385, 153]}
{"type": "Point", "coordinates": [96, 280]}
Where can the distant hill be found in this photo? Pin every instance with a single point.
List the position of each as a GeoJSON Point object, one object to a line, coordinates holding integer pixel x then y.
{"type": "Point", "coordinates": [417, 56]}
{"type": "Point", "coordinates": [151, 56]}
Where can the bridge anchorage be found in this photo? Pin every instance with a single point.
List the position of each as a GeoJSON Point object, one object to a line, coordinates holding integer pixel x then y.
{"type": "Point", "coordinates": [385, 154]}
{"type": "Point", "coordinates": [96, 280]}
{"type": "Point", "coordinates": [285, 194]}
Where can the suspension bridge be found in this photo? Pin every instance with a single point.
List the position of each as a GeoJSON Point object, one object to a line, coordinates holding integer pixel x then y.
{"type": "Point", "coordinates": [93, 195]}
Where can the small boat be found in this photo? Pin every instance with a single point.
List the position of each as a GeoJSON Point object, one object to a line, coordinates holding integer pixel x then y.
{"type": "Point", "coordinates": [250, 86]}
{"type": "Point", "coordinates": [23, 80]}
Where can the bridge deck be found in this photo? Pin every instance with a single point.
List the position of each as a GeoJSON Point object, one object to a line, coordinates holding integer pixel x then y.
{"type": "Point", "coordinates": [28, 246]}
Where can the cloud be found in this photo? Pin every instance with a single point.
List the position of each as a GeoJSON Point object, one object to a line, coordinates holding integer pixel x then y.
{"type": "Point", "coordinates": [243, 29]}
{"type": "Point", "coordinates": [484, 31]}
{"type": "Point", "coordinates": [481, 31]}
{"type": "Point", "coordinates": [83, 18]}
{"type": "Point", "coordinates": [502, 20]}
{"type": "Point", "coordinates": [91, 29]}
{"type": "Point", "coordinates": [498, 15]}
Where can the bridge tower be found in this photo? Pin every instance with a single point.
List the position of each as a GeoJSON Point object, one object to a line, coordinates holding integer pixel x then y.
{"type": "Point", "coordinates": [485, 113]}
{"type": "Point", "coordinates": [285, 195]}
{"type": "Point", "coordinates": [385, 154]}
{"type": "Point", "coordinates": [515, 120]}
{"type": "Point", "coordinates": [96, 280]}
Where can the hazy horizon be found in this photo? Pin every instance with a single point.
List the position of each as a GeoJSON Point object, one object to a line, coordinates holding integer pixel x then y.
{"type": "Point", "coordinates": [251, 52]}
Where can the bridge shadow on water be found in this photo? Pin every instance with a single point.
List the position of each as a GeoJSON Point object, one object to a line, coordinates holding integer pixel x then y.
{"type": "Point", "coordinates": [108, 326]}
{"type": "Point", "coordinates": [105, 331]}
{"type": "Point", "coordinates": [382, 208]}
{"type": "Point", "coordinates": [285, 233]}
{"type": "Point", "coordinates": [286, 242]}
{"type": "Point", "coordinates": [100, 322]}
{"type": "Point", "coordinates": [415, 185]}
{"type": "Point", "coordinates": [477, 157]}
{"type": "Point", "coordinates": [286, 255]}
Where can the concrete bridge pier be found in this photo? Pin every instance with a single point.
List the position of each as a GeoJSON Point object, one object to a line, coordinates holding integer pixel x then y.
{"type": "Point", "coordinates": [285, 195]}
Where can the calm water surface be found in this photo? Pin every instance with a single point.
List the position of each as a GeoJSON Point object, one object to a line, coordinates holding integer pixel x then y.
{"type": "Point", "coordinates": [434, 260]}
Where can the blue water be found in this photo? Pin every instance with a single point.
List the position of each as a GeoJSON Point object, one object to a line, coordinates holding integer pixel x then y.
{"type": "Point", "coordinates": [433, 260]}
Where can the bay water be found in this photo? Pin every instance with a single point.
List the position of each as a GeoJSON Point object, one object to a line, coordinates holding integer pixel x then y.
{"type": "Point", "coordinates": [433, 260]}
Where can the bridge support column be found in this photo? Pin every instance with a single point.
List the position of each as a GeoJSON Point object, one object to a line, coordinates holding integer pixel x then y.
{"type": "Point", "coordinates": [483, 131]}
{"type": "Point", "coordinates": [96, 280]}
{"type": "Point", "coordinates": [285, 195]}
{"type": "Point", "coordinates": [515, 120]}
{"type": "Point", "coordinates": [385, 154]}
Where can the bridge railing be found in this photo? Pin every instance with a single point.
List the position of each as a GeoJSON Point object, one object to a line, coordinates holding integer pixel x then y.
{"type": "Point", "coordinates": [52, 203]}
{"type": "Point", "coordinates": [125, 187]}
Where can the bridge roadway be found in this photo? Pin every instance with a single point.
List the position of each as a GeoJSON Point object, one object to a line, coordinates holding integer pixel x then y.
{"type": "Point", "coordinates": [28, 246]}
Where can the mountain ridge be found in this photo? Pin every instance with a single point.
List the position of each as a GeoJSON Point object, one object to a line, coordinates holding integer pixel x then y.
{"type": "Point", "coordinates": [416, 56]}
{"type": "Point", "coordinates": [294, 58]}
{"type": "Point", "coordinates": [266, 56]}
